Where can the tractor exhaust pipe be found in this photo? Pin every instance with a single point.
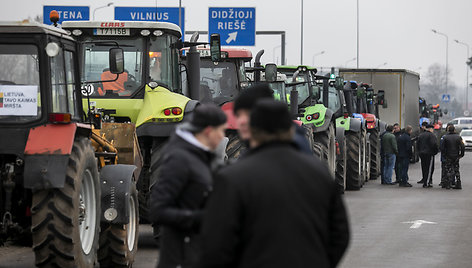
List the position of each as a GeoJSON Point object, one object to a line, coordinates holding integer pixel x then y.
{"type": "Point", "coordinates": [258, 65]}
{"type": "Point", "coordinates": [193, 58]}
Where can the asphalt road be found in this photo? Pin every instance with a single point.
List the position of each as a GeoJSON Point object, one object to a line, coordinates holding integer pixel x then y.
{"type": "Point", "coordinates": [384, 233]}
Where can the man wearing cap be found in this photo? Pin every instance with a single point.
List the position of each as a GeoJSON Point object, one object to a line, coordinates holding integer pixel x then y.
{"type": "Point", "coordinates": [427, 148]}
{"type": "Point", "coordinates": [183, 182]}
{"type": "Point", "coordinates": [268, 210]}
{"type": "Point", "coordinates": [242, 109]}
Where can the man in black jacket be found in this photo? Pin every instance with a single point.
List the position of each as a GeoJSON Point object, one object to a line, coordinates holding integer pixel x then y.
{"type": "Point", "coordinates": [427, 148]}
{"type": "Point", "coordinates": [275, 207]}
{"type": "Point", "coordinates": [183, 184]}
{"type": "Point", "coordinates": [452, 147]}
{"type": "Point", "coordinates": [404, 154]}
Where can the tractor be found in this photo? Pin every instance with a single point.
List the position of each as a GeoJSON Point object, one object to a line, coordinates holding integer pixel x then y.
{"type": "Point", "coordinates": [62, 187]}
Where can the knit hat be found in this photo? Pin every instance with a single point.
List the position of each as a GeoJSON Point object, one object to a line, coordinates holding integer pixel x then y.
{"type": "Point", "coordinates": [204, 115]}
{"type": "Point", "coordinates": [270, 116]}
{"type": "Point", "coordinates": [248, 98]}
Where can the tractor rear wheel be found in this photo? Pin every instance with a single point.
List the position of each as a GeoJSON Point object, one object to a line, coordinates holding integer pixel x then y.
{"type": "Point", "coordinates": [326, 140]}
{"type": "Point", "coordinates": [118, 242]}
{"type": "Point", "coordinates": [374, 154]}
{"type": "Point", "coordinates": [65, 221]}
{"type": "Point", "coordinates": [341, 167]}
{"type": "Point", "coordinates": [354, 160]}
{"type": "Point", "coordinates": [235, 145]}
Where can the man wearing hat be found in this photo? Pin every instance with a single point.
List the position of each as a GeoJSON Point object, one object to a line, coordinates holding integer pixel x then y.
{"type": "Point", "coordinates": [427, 148]}
{"type": "Point", "coordinates": [268, 210]}
{"type": "Point", "coordinates": [242, 109]}
{"type": "Point", "coordinates": [453, 149]}
{"type": "Point", "coordinates": [182, 184]}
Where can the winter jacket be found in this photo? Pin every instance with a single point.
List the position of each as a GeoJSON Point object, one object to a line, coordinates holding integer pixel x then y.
{"type": "Point", "coordinates": [183, 184]}
{"type": "Point", "coordinates": [452, 146]}
{"type": "Point", "coordinates": [427, 144]}
{"type": "Point", "coordinates": [404, 145]}
{"type": "Point", "coordinates": [389, 143]}
{"type": "Point", "coordinates": [268, 210]}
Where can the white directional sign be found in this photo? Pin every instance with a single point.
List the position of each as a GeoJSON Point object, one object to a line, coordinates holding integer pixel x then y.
{"type": "Point", "coordinates": [417, 224]}
{"type": "Point", "coordinates": [236, 25]}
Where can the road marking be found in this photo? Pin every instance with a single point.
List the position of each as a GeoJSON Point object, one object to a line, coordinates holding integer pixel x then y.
{"type": "Point", "coordinates": [417, 224]}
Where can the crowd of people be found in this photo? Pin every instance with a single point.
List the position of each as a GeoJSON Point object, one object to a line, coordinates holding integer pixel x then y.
{"type": "Point", "coordinates": [396, 152]}
{"type": "Point", "coordinates": [276, 206]}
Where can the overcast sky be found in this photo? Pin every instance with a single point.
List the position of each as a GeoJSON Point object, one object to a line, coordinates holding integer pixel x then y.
{"type": "Point", "coordinates": [396, 32]}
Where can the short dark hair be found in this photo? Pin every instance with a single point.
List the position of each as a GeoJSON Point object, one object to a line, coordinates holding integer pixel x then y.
{"type": "Point", "coordinates": [424, 124]}
{"type": "Point", "coordinates": [248, 98]}
{"type": "Point", "coordinates": [396, 124]}
{"type": "Point", "coordinates": [203, 116]}
{"type": "Point", "coordinates": [408, 128]}
{"type": "Point", "coordinates": [390, 128]}
{"type": "Point", "coordinates": [451, 128]}
{"type": "Point", "coordinates": [271, 121]}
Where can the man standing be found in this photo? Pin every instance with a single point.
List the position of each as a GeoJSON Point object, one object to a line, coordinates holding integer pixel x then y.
{"type": "Point", "coordinates": [389, 145]}
{"type": "Point", "coordinates": [453, 149]}
{"type": "Point", "coordinates": [404, 154]}
{"type": "Point", "coordinates": [428, 148]}
{"type": "Point", "coordinates": [397, 132]}
{"type": "Point", "coordinates": [267, 210]}
{"type": "Point", "coordinates": [183, 185]}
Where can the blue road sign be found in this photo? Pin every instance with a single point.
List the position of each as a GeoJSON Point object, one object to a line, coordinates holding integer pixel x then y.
{"type": "Point", "coordinates": [66, 13]}
{"type": "Point", "coordinates": [446, 98]}
{"type": "Point", "coordinates": [236, 25]}
{"type": "Point", "coordinates": [165, 14]}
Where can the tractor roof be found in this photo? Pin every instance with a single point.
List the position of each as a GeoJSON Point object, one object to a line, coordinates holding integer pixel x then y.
{"type": "Point", "coordinates": [153, 25]}
{"type": "Point", "coordinates": [229, 52]}
{"type": "Point", "coordinates": [24, 27]}
{"type": "Point", "coordinates": [295, 67]}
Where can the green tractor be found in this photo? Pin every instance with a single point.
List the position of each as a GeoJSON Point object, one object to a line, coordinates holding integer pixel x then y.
{"type": "Point", "coordinates": [147, 93]}
{"type": "Point", "coordinates": [314, 113]}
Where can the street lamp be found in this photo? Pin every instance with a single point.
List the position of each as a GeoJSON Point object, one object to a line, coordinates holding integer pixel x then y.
{"type": "Point", "coordinates": [467, 67]}
{"type": "Point", "coordinates": [357, 34]}
{"type": "Point", "coordinates": [447, 50]}
{"type": "Point", "coordinates": [383, 64]}
{"type": "Point", "coordinates": [109, 4]}
{"type": "Point", "coordinates": [353, 59]}
{"type": "Point", "coordinates": [301, 39]}
{"type": "Point", "coordinates": [317, 54]}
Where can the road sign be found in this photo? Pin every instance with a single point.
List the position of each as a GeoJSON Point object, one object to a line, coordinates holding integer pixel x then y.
{"type": "Point", "coordinates": [165, 14]}
{"type": "Point", "coordinates": [236, 25]}
{"type": "Point", "coordinates": [66, 13]}
{"type": "Point", "coordinates": [446, 98]}
{"type": "Point", "coordinates": [466, 113]}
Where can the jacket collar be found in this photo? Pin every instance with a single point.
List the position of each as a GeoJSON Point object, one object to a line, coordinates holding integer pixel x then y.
{"type": "Point", "coordinates": [190, 138]}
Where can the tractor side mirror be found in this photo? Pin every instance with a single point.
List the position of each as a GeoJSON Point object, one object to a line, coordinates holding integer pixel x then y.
{"type": "Point", "coordinates": [271, 72]}
{"type": "Point", "coordinates": [381, 99]}
{"type": "Point", "coordinates": [116, 60]}
{"type": "Point", "coordinates": [339, 83]}
{"type": "Point", "coordinates": [215, 47]}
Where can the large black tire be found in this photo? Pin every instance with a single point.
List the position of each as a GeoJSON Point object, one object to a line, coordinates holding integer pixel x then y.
{"type": "Point", "coordinates": [118, 242]}
{"type": "Point", "coordinates": [341, 167]}
{"type": "Point", "coordinates": [235, 146]}
{"type": "Point", "coordinates": [374, 154]}
{"type": "Point", "coordinates": [66, 221]}
{"type": "Point", "coordinates": [353, 160]}
{"type": "Point", "coordinates": [327, 141]}
{"type": "Point", "coordinates": [367, 157]}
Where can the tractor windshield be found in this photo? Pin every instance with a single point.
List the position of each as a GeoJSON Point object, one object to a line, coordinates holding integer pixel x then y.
{"type": "Point", "coordinates": [96, 64]}
{"type": "Point", "coordinates": [19, 83]}
{"type": "Point", "coordinates": [333, 99]}
{"type": "Point", "coordinates": [303, 88]}
{"type": "Point", "coordinates": [218, 82]}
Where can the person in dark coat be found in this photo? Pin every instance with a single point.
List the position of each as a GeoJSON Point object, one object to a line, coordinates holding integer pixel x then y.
{"type": "Point", "coordinates": [427, 148]}
{"type": "Point", "coordinates": [183, 185]}
{"type": "Point", "coordinates": [397, 131]}
{"type": "Point", "coordinates": [390, 150]}
{"type": "Point", "coordinates": [404, 155]}
{"type": "Point", "coordinates": [268, 210]}
{"type": "Point", "coordinates": [242, 109]}
{"type": "Point", "coordinates": [453, 149]}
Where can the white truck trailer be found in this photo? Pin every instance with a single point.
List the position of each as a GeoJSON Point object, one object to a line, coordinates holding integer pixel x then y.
{"type": "Point", "coordinates": [401, 93]}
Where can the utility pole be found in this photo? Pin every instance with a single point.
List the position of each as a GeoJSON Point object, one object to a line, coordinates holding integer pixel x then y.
{"type": "Point", "coordinates": [301, 39]}
{"type": "Point", "coordinates": [357, 34]}
{"type": "Point", "coordinates": [467, 83]}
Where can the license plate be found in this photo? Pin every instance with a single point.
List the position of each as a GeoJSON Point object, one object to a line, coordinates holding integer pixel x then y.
{"type": "Point", "coordinates": [111, 31]}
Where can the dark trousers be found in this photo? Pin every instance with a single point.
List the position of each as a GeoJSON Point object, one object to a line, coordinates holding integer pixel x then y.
{"type": "Point", "coordinates": [382, 159]}
{"type": "Point", "coordinates": [398, 172]}
{"type": "Point", "coordinates": [427, 167]}
{"type": "Point", "coordinates": [452, 169]}
{"type": "Point", "coordinates": [403, 165]}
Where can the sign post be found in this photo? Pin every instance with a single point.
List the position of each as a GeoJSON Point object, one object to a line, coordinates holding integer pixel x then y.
{"type": "Point", "coordinates": [236, 25]}
{"type": "Point", "coordinates": [66, 13]}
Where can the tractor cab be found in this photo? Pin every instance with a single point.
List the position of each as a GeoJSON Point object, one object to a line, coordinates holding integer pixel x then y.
{"type": "Point", "coordinates": [220, 81]}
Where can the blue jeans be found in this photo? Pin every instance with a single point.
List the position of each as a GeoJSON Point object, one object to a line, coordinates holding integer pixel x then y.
{"type": "Point", "coordinates": [389, 164]}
